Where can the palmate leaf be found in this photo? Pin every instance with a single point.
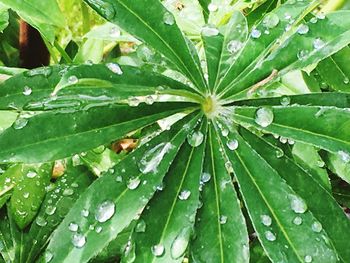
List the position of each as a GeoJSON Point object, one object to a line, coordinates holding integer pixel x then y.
{"type": "Point", "coordinates": [152, 23]}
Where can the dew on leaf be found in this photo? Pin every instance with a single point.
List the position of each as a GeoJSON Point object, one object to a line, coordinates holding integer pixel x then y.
{"type": "Point", "coordinates": [297, 220]}
{"type": "Point", "coordinates": [184, 195]}
{"type": "Point", "coordinates": [212, 7]}
{"type": "Point", "coordinates": [168, 19]}
{"type": "Point", "coordinates": [271, 20]}
{"type": "Point", "coordinates": [297, 204]}
{"type": "Point", "coordinates": [50, 210]}
{"type": "Point", "coordinates": [255, 33]}
{"type": "Point", "coordinates": [27, 91]}
{"type": "Point", "coordinates": [224, 132]}
{"type": "Point", "coordinates": [344, 156]}
{"type": "Point", "coordinates": [26, 195]}
{"type": "Point", "coordinates": [346, 80]}
{"type": "Point", "coordinates": [78, 240]}
{"type": "Point", "coordinates": [133, 102]}
{"type": "Point", "coordinates": [234, 46]}
{"type": "Point", "coordinates": [195, 139]}
{"type": "Point", "coordinates": [232, 145]}
{"type": "Point", "coordinates": [210, 31]}
{"type": "Point", "coordinates": [179, 245]}
{"type": "Point", "coordinates": [158, 250]}
{"type": "Point", "coordinates": [48, 256]}
{"type": "Point", "coordinates": [223, 219]}
{"type": "Point", "coordinates": [318, 43]}
{"type": "Point", "coordinates": [114, 32]}
{"type": "Point", "coordinates": [152, 158]}
{"type": "Point", "coordinates": [264, 116]}
{"type": "Point", "coordinates": [228, 166]}
{"type": "Point", "coordinates": [115, 68]}
{"type": "Point", "coordinates": [303, 54]}
{"type": "Point", "coordinates": [279, 153]}
{"type": "Point", "coordinates": [105, 211]}
{"type": "Point", "coordinates": [308, 259]}
{"type": "Point", "coordinates": [68, 192]}
{"type": "Point", "coordinates": [73, 80]}
{"type": "Point", "coordinates": [303, 29]}
{"type": "Point", "coordinates": [20, 123]}
{"type": "Point", "coordinates": [32, 174]}
{"type": "Point", "coordinates": [40, 221]}
{"type": "Point", "coordinates": [85, 213]}
{"type": "Point", "coordinates": [285, 101]}
{"type": "Point", "coordinates": [149, 100]}
{"type": "Point", "coordinates": [73, 227]}
{"type": "Point", "coordinates": [133, 183]}
{"type": "Point", "coordinates": [316, 227]}
{"type": "Point", "coordinates": [205, 177]}
{"type": "Point", "coordinates": [98, 229]}
{"type": "Point", "coordinates": [270, 236]}
{"type": "Point", "coordinates": [266, 220]}
{"type": "Point", "coordinates": [141, 226]}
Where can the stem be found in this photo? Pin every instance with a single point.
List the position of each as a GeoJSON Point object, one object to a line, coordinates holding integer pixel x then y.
{"type": "Point", "coordinates": [86, 18]}
{"type": "Point", "coordinates": [51, 51]}
{"type": "Point", "coordinates": [63, 53]}
{"type": "Point", "coordinates": [332, 5]}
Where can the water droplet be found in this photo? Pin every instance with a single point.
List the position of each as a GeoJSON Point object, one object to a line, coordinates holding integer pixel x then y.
{"type": "Point", "coordinates": [26, 195]}
{"type": "Point", "coordinates": [45, 71]}
{"type": "Point", "coordinates": [212, 7]}
{"type": "Point", "coordinates": [279, 153]}
{"type": "Point", "coordinates": [228, 166]}
{"type": "Point", "coordinates": [85, 213]}
{"type": "Point", "coordinates": [271, 20]}
{"type": "Point", "coordinates": [223, 219]}
{"type": "Point", "coordinates": [152, 158]}
{"type": "Point", "coordinates": [234, 46]}
{"type": "Point", "coordinates": [27, 91]}
{"type": "Point", "coordinates": [184, 195]}
{"type": "Point", "coordinates": [270, 236]}
{"type": "Point", "coordinates": [320, 163]}
{"type": "Point", "coordinates": [78, 240]}
{"type": "Point", "coordinates": [114, 32]}
{"type": "Point", "coordinates": [321, 16]}
{"type": "Point", "coordinates": [180, 243]}
{"type": "Point", "coordinates": [205, 177]}
{"type": "Point", "coordinates": [285, 101]}
{"type": "Point", "coordinates": [133, 183]}
{"type": "Point", "coordinates": [133, 102]}
{"type": "Point", "coordinates": [210, 31]}
{"type": "Point", "coordinates": [346, 80]}
{"type": "Point", "coordinates": [98, 229]}
{"type": "Point", "coordinates": [105, 211]}
{"type": "Point", "coordinates": [73, 80]}
{"type": "Point", "coordinates": [73, 227]}
{"type": "Point", "coordinates": [232, 145]}
{"type": "Point", "coordinates": [68, 192]}
{"type": "Point", "coordinates": [225, 132]}
{"type": "Point", "coordinates": [40, 221]}
{"type": "Point", "coordinates": [316, 227]}
{"type": "Point", "coordinates": [297, 220]}
{"type": "Point", "coordinates": [158, 250]}
{"type": "Point", "coordinates": [115, 68]}
{"type": "Point", "coordinates": [255, 33]}
{"type": "Point", "coordinates": [345, 156]}
{"type": "Point", "coordinates": [318, 43]}
{"type": "Point", "coordinates": [48, 256]}
{"type": "Point", "coordinates": [298, 205]}
{"type": "Point", "coordinates": [141, 226]}
{"type": "Point", "coordinates": [168, 19]}
{"type": "Point", "coordinates": [50, 210]}
{"type": "Point", "coordinates": [313, 20]}
{"type": "Point", "coordinates": [195, 139]}
{"type": "Point", "coordinates": [303, 29]}
{"type": "Point", "coordinates": [264, 116]}
{"type": "Point", "coordinates": [308, 259]}
{"type": "Point", "coordinates": [303, 54]}
{"type": "Point", "coordinates": [20, 123]}
{"type": "Point", "coordinates": [119, 179]}
{"type": "Point", "coordinates": [149, 100]}
{"type": "Point", "coordinates": [266, 220]}
{"type": "Point", "coordinates": [31, 174]}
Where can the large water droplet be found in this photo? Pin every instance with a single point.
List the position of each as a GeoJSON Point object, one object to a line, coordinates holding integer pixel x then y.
{"type": "Point", "coordinates": [68, 192]}
{"type": "Point", "coordinates": [316, 227]}
{"type": "Point", "coordinates": [73, 80]}
{"type": "Point", "coordinates": [318, 43]}
{"type": "Point", "coordinates": [210, 31]}
{"type": "Point", "coordinates": [345, 156]}
{"type": "Point", "coordinates": [78, 240]}
{"type": "Point", "coordinates": [184, 195]}
{"type": "Point", "coordinates": [264, 116]}
{"type": "Point", "coordinates": [31, 174]}
{"type": "Point", "coordinates": [27, 91]}
{"type": "Point", "coordinates": [40, 221]}
{"type": "Point", "coordinates": [50, 210]}
{"type": "Point", "coordinates": [271, 20]}
{"type": "Point", "coordinates": [179, 245]}
{"type": "Point", "coordinates": [270, 236]}
{"type": "Point", "coordinates": [266, 220]}
{"type": "Point", "coordinates": [133, 183]}
{"type": "Point", "coordinates": [232, 145]}
{"type": "Point", "coordinates": [152, 158]}
{"type": "Point", "coordinates": [115, 68]}
{"type": "Point", "coordinates": [234, 46]}
{"type": "Point", "coordinates": [158, 250]}
{"type": "Point", "coordinates": [168, 19]}
{"type": "Point", "coordinates": [105, 211]}
{"type": "Point", "coordinates": [297, 204]}
{"type": "Point", "coordinates": [195, 139]}
{"type": "Point", "coordinates": [303, 29]}
{"type": "Point", "coordinates": [20, 123]}
{"type": "Point", "coordinates": [73, 227]}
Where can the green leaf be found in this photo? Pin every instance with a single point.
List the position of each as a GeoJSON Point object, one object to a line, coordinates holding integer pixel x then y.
{"type": "Point", "coordinates": [156, 27]}
{"type": "Point", "coordinates": [339, 164]}
{"type": "Point", "coordinates": [221, 210]}
{"type": "Point", "coordinates": [178, 201]}
{"type": "Point", "coordinates": [275, 209]}
{"type": "Point", "coordinates": [308, 124]}
{"type": "Point", "coordinates": [29, 193]}
{"type": "Point", "coordinates": [55, 207]}
{"type": "Point", "coordinates": [204, 4]}
{"type": "Point", "coordinates": [10, 178]}
{"type": "Point", "coordinates": [6, 241]}
{"type": "Point", "coordinates": [318, 199]}
{"type": "Point", "coordinates": [122, 197]}
{"type": "Point", "coordinates": [258, 254]}
{"type": "Point", "coordinates": [308, 158]}
{"type": "Point", "coordinates": [80, 131]}
{"type": "Point", "coordinates": [4, 18]}
{"type": "Point", "coordinates": [222, 50]}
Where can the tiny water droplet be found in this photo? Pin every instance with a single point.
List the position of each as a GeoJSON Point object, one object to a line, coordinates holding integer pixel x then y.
{"type": "Point", "coordinates": [73, 80]}
{"type": "Point", "coordinates": [105, 211]}
{"type": "Point", "coordinates": [31, 174]}
{"type": "Point", "coordinates": [133, 102]}
{"type": "Point", "coordinates": [270, 236]}
{"type": "Point", "coordinates": [285, 101]}
{"type": "Point", "coordinates": [279, 153]}
{"type": "Point", "coordinates": [271, 20]}
{"type": "Point", "coordinates": [316, 227]}
{"type": "Point", "coordinates": [50, 210]}
{"type": "Point", "coordinates": [85, 213]}
{"type": "Point", "coordinates": [308, 259]}
{"type": "Point", "coordinates": [114, 32]}
{"type": "Point", "coordinates": [195, 139]}
{"type": "Point", "coordinates": [20, 123]}
{"type": "Point", "coordinates": [298, 205]}
{"type": "Point", "coordinates": [27, 91]}
{"type": "Point", "coordinates": [321, 16]}
{"type": "Point", "coordinates": [346, 80]}
{"type": "Point", "coordinates": [225, 132]}
{"type": "Point", "coordinates": [98, 229]}
{"type": "Point", "coordinates": [26, 195]}
{"type": "Point", "coordinates": [40, 221]}
{"type": "Point", "coordinates": [297, 220]}
{"type": "Point", "coordinates": [313, 20]}
{"type": "Point", "coordinates": [228, 166]}
{"type": "Point", "coordinates": [205, 177]}
{"type": "Point", "coordinates": [141, 226]}
{"type": "Point", "coordinates": [48, 256]}
{"type": "Point", "coordinates": [115, 68]}
{"type": "Point", "coordinates": [184, 195]}
{"type": "Point", "coordinates": [345, 156]}
{"type": "Point", "coordinates": [73, 227]}
{"type": "Point", "coordinates": [212, 7]}
{"type": "Point", "coordinates": [255, 33]}
{"type": "Point", "coordinates": [232, 145]}
{"type": "Point", "coordinates": [158, 250]}
{"type": "Point", "coordinates": [78, 240]}
{"type": "Point", "coordinates": [264, 116]}
{"type": "Point", "coordinates": [318, 43]}
{"type": "Point", "coordinates": [303, 29]}
{"type": "Point", "coordinates": [234, 46]}
{"type": "Point", "coordinates": [68, 192]}
{"type": "Point", "coordinates": [266, 220]}
{"type": "Point", "coordinates": [168, 19]}
{"type": "Point", "coordinates": [303, 54]}
{"type": "Point", "coordinates": [210, 31]}
{"type": "Point", "coordinates": [149, 100]}
{"type": "Point", "coordinates": [133, 183]}
{"type": "Point", "coordinates": [223, 219]}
